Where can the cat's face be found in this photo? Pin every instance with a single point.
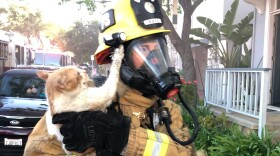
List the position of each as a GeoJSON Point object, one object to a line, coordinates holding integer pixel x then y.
{"type": "Point", "coordinates": [68, 81]}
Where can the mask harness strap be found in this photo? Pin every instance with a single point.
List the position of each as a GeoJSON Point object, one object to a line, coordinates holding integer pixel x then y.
{"type": "Point", "coordinates": [165, 117]}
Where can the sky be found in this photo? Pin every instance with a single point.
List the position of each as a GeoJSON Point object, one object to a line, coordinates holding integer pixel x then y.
{"type": "Point", "coordinates": [63, 15]}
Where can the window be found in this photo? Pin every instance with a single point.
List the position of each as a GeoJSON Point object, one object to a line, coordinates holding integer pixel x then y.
{"type": "Point", "coordinates": [48, 59]}
{"type": "Point", "coordinates": [22, 86]}
{"type": "Point", "coordinates": [3, 50]}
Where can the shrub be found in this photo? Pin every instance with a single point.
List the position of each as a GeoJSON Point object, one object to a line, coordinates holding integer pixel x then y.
{"type": "Point", "coordinates": [238, 143]}
{"type": "Point", "coordinates": [210, 126]}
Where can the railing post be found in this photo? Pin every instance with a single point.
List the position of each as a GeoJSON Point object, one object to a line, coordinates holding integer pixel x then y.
{"type": "Point", "coordinates": [263, 100]}
{"type": "Point", "coordinates": [229, 93]}
{"type": "Point", "coordinates": [206, 87]}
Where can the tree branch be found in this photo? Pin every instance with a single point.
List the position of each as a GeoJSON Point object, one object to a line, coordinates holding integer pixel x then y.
{"type": "Point", "coordinates": [195, 5]}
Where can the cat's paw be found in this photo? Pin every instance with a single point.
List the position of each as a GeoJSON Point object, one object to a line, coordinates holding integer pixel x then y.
{"type": "Point", "coordinates": [118, 54]}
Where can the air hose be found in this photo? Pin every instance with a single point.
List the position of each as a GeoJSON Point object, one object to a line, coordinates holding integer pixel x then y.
{"type": "Point", "coordinates": [165, 116]}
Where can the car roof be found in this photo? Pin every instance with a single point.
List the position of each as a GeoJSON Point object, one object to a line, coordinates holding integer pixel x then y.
{"type": "Point", "coordinates": [21, 72]}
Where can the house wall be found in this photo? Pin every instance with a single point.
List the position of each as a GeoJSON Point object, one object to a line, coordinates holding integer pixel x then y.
{"type": "Point", "coordinates": [200, 57]}
{"type": "Point", "coordinates": [258, 40]}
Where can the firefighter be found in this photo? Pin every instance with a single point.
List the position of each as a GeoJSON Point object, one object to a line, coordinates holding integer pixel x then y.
{"type": "Point", "coordinates": [133, 125]}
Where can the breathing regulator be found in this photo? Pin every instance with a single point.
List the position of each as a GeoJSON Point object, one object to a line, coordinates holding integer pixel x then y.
{"type": "Point", "coordinates": [137, 24]}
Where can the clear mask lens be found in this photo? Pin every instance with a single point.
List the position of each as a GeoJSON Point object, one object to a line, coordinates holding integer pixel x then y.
{"type": "Point", "coordinates": [150, 55]}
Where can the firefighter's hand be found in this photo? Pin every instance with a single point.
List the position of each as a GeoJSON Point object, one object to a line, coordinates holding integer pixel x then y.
{"type": "Point", "coordinates": [105, 132]}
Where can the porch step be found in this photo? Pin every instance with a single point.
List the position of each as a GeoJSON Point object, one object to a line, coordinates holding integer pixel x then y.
{"type": "Point", "coordinates": [271, 107]}
{"type": "Point", "coordinates": [273, 118]}
{"type": "Point", "coordinates": [237, 118]}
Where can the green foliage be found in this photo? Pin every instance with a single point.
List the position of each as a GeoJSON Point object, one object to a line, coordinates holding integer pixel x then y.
{"type": "Point", "coordinates": [210, 126]}
{"type": "Point", "coordinates": [234, 53]}
{"type": "Point", "coordinates": [82, 39]}
{"type": "Point", "coordinates": [238, 143]}
{"type": "Point", "coordinates": [22, 20]}
{"type": "Point", "coordinates": [218, 137]}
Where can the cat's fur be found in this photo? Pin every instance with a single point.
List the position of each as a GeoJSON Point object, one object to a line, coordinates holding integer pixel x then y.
{"type": "Point", "coordinates": [70, 89]}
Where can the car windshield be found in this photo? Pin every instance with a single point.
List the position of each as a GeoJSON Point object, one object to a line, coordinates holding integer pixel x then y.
{"type": "Point", "coordinates": [50, 59]}
{"type": "Point", "coordinates": [23, 86]}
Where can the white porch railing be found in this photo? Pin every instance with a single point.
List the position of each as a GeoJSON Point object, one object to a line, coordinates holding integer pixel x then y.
{"type": "Point", "coordinates": [241, 90]}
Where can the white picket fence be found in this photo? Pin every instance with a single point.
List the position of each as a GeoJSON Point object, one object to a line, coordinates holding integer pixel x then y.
{"type": "Point", "coordinates": [241, 90]}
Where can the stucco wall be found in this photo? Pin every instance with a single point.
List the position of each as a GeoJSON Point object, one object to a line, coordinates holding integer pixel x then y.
{"type": "Point", "coordinates": [258, 40]}
{"type": "Point", "coordinates": [200, 63]}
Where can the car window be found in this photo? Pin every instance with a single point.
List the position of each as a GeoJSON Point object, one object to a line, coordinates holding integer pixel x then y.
{"type": "Point", "coordinates": [22, 86]}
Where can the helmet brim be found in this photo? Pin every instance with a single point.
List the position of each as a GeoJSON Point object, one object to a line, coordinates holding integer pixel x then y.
{"type": "Point", "coordinates": [103, 52]}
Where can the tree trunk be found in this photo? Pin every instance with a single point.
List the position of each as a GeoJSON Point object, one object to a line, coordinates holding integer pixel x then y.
{"type": "Point", "coordinates": [183, 45]}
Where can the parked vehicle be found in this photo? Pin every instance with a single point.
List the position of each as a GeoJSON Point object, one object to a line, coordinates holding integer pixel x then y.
{"type": "Point", "coordinates": [22, 104]}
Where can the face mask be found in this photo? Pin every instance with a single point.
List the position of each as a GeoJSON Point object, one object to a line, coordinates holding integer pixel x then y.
{"type": "Point", "coordinates": [148, 60]}
{"type": "Point", "coordinates": [149, 54]}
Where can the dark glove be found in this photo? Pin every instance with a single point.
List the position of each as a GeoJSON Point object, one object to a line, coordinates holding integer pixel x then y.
{"type": "Point", "coordinates": [108, 133]}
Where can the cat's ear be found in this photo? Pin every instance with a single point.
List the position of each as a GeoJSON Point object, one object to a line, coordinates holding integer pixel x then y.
{"type": "Point", "coordinates": [43, 74]}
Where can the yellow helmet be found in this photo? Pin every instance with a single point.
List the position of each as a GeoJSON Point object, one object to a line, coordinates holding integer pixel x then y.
{"type": "Point", "coordinates": [134, 18]}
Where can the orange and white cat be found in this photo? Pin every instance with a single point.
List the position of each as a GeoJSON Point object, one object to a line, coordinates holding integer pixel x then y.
{"type": "Point", "coordinates": [70, 89]}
